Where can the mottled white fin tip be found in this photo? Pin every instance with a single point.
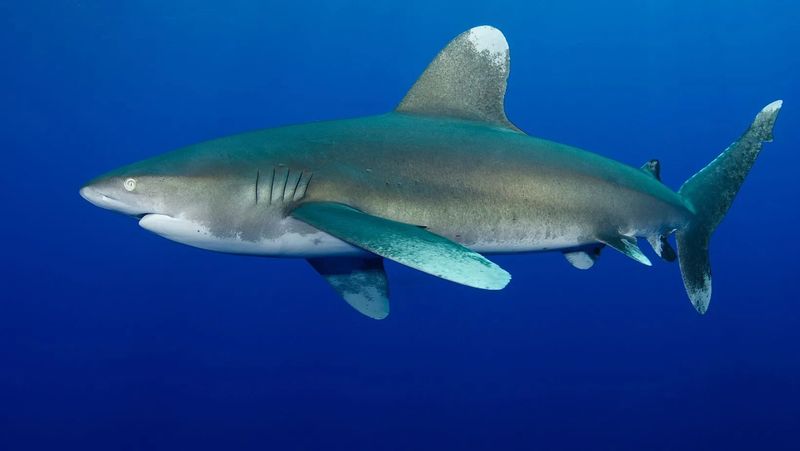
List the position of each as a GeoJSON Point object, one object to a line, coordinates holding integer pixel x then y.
{"type": "Point", "coordinates": [579, 259]}
{"type": "Point", "coordinates": [467, 80]}
{"type": "Point", "coordinates": [488, 38]}
{"type": "Point", "coordinates": [765, 120]}
{"type": "Point", "coordinates": [769, 113]}
{"type": "Point", "coordinates": [773, 107]}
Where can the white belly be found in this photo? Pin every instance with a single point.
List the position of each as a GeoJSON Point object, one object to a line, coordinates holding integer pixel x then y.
{"type": "Point", "coordinates": [289, 244]}
{"type": "Point", "coordinates": [315, 243]}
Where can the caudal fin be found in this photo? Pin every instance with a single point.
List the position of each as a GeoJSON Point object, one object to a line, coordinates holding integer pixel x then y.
{"type": "Point", "coordinates": [710, 193]}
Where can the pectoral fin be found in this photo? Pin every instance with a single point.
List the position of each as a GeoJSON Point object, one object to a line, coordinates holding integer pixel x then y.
{"type": "Point", "coordinates": [404, 243]}
{"type": "Point", "coordinates": [360, 281]}
{"type": "Point", "coordinates": [627, 245]}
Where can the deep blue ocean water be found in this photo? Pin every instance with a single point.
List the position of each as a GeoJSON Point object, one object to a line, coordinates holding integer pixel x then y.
{"type": "Point", "coordinates": [114, 338]}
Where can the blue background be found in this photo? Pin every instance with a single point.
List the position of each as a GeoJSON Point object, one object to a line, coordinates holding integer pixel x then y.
{"type": "Point", "coordinates": [113, 338]}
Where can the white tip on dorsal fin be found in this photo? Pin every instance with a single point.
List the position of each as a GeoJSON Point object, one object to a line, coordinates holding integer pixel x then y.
{"type": "Point", "coordinates": [466, 80]}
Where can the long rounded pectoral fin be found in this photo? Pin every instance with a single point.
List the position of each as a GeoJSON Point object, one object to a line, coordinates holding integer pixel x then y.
{"type": "Point", "coordinates": [404, 243]}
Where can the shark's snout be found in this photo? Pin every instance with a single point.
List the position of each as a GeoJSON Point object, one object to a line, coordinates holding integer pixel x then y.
{"type": "Point", "coordinates": [100, 199]}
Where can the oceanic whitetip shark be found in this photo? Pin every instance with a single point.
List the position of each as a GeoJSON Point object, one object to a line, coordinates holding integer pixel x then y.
{"type": "Point", "coordinates": [436, 184]}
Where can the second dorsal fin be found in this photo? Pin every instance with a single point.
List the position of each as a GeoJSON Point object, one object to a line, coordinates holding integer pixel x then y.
{"type": "Point", "coordinates": [466, 80]}
{"type": "Point", "coordinates": [653, 167]}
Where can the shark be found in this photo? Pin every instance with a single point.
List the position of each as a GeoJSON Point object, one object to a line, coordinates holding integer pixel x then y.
{"type": "Point", "coordinates": [437, 184]}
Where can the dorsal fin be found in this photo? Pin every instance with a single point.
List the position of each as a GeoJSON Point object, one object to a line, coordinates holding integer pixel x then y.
{"type": "Point", "coordinates": [466, 80]}
{"type": "Point", "coordinates": [653, 167]}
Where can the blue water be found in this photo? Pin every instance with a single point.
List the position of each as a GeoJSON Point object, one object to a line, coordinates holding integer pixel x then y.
{"type": "Point", "coordinates": [113, 338]}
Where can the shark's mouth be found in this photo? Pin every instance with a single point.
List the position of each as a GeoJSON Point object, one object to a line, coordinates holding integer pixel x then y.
{"type": "Point", "coordinates": [101, 200]}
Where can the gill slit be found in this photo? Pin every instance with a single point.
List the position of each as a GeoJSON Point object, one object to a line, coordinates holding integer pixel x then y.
{"type": "Point", "coordinates": [271, 181]}
{"type": "Point", "coordinates": [304, 188]}
{"type": "Point", "coordinates": [296, 184]}
{"type": "Point", "coordinates": [285, 182]}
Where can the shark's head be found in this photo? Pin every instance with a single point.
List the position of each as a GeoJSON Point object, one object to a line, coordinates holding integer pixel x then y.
{"type": "Point", "coordinates": [189, 194]}
{"type": "Point", "coordinates": [126, 192]}
{"type": "Point", "coordinates": [160, 185]}
{"type": "Point", "coordinates": [206, 196]}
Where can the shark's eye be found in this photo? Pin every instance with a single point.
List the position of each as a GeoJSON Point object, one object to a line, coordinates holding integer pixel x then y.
{"type": "Point", "coordinates": [129, 184]}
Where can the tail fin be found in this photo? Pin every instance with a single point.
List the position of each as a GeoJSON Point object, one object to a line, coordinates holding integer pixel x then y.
{"type": "Point", "coordinates": [710, 193]}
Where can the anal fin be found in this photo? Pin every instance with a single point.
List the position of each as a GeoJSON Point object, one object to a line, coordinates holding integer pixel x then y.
{"type": "Point", "coordinates": [360, 281]}
{"type": "Point", "coordinates": [662, 247]}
